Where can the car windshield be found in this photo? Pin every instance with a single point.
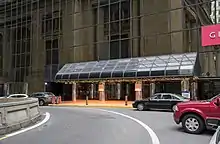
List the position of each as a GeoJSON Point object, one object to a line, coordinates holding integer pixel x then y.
{"type": "Point", "coordinates": [211, 99]}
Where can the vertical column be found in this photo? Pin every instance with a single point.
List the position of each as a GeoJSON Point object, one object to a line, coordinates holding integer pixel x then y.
{"type": "Point", "coordinates": [74, 92]}
{"type": "Point", "coordinates": [134, 28]}
{"type": "Point", "coordinates": [92, 91]}
{"type": "Point", "coordinates": [25, 88]}
{"type": "Point", "coordinates": [118, 91]}
{"type": "Point", "coordinates": [185, 85]}
{"type": "Point", "coordinates": [194, 87]}
{"type": "Point", "coordinates": [152, 89]}
{"type": "Point", "coordinates": [205, 63]}
{"type": "Point", "coordinates": [90, 30]}
{"type": "Point", "coordinates": [78, 31]}
{"type": "Point", "coordinates": [138, 90]}
{"type": "Point", "coordinates": [6, 88]}
{"type": "Point", "coordinates": [218, 64]}
{"type": "Point", "coordinates": [102, 47]}
{"type": "Point", "coordinates": [211, 63]}
{"type": "Point", "coordinates": [102, 91]}
{"type": "Point", "coordinates": [185, 88]}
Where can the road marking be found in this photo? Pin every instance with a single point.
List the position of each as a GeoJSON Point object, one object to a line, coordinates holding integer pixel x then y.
{"type": "Point", "coordinates": [152, 134]}
{"type": "Point", "coordinates": [47, 117]}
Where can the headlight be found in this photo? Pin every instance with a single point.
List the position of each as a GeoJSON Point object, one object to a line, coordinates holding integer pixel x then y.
{"type": "Point", "coordinates": [175, 108]}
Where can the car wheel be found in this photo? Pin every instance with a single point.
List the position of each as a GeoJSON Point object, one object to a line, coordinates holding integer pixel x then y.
{"type": "Point", "coordinates": [140, 107]}
{"type": "Point", "coordinates": [193, 124]}
{"type": "Point", "coordinates": [41, 103]}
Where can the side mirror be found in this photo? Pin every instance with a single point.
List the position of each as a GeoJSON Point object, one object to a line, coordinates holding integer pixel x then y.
{"type": "Point", "coordinates": [217, 102]}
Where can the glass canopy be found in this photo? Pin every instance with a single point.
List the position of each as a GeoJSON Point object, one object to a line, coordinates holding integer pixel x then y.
{"type": "Point", "coordinates": [165, 65]}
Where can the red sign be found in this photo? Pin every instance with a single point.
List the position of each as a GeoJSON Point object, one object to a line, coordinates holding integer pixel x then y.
{"type": "Point", "coordinates": [211, 35]}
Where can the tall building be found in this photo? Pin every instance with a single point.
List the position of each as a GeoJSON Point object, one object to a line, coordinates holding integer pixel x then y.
{"type": "Point", "coordinates": [215, 8]}
{"type": "Point", "coordinates": [38, 37]}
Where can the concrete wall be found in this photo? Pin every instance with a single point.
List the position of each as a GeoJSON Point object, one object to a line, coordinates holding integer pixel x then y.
{"type": "Point", "coordinates": [17, 113]}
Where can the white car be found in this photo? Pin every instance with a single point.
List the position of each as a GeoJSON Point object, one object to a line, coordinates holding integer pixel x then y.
{"type": "Point", "coordinates": [16, 96]}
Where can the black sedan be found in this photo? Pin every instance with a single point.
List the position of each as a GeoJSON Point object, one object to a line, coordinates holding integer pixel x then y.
{"type": "Point", "coordinates": [159, 101]}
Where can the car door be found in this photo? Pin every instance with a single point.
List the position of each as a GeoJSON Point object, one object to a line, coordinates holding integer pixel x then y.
{"type": "Point", "coordinates": [214, 109]}
{"type": "Point", "coordinates": [213, 113]}
{"type": "Point", "coordinates": [154, 101]}
{"type": "Point", "coordinates": [165, 102]}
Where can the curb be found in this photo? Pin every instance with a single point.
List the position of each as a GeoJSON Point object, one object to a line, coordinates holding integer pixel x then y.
{"type": "Point", "coordinates": [18, 126]}
{"type": "Point", "coordinates": [89, 106]}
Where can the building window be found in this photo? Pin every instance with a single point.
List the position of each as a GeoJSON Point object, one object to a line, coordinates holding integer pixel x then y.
{"type": "Point", "coordinates": [52, 52]}
{"type": "Point", "coordinates": [21, 53]}
{"type": "Point", "coordinates": [51, 23]}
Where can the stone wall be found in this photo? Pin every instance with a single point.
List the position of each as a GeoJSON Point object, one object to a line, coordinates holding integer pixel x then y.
{"type": "Point", "coordinates": [17, 113]}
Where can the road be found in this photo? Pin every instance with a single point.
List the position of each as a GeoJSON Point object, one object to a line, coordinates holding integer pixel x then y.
{"type": "Point", "coordinates": [83, 125]}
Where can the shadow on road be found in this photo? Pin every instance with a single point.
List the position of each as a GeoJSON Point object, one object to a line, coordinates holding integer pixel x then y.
{"type": "Point", "coordinates": [207, 132]}
{"type": "Point", "coordinates": [155, 110]}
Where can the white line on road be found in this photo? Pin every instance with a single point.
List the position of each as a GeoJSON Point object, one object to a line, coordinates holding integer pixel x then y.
{"type": "Point", "coordinates": [152, 134]}
{"type": "Point", "coordinates": [47, 117]}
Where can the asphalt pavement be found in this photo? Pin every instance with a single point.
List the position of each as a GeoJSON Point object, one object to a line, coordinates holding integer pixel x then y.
{"type": "Point", "coordinates": [85, 125]}
{"type": "Point", "coordinates": [168, 132]}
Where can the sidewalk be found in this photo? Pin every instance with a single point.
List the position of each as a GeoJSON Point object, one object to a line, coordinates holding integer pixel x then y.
{"type": "Point", "coordinates": [95, 103]}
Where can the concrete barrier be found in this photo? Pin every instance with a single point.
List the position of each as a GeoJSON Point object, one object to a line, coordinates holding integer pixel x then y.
{"type": "Point", "coordinates": [216, 137]}
{"type": "Point", "coordinates": [18, 113]}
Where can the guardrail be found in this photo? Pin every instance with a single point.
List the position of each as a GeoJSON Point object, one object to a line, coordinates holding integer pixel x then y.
{"type": "Point", "coordinates": [17, 113]}
{"type": "Point", "coordinates": [216, 137]}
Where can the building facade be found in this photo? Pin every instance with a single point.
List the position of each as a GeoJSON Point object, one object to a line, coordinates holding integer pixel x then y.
{"type": "Point", "coordinates": [38, 37]}
{"type": "Point", "coordinates": [215, 11]}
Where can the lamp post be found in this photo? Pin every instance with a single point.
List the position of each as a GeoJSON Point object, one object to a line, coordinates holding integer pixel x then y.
{"type": "Point", "coordinates": [45, 86]}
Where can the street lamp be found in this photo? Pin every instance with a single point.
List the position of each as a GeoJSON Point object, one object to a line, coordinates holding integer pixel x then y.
{"type": "Point", "coordinates": [45, 86]}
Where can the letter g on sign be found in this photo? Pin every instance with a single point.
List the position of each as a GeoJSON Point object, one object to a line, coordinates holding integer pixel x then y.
{"type": "Point", "coordinates": [212, 35]}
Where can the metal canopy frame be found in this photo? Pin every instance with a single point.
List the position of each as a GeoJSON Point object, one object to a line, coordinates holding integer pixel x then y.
{"type": "Point", "coordinates": [164, 65]}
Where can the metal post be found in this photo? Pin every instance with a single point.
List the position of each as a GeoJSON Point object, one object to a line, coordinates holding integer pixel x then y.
{"type": "Point", "coordinates": [126, 100]}
{"type": "Point", "coordinates": [127, 93]}
{"type": "Point", "coordinates": [87, 98]}
{"type": "Point", "coordinates": [92, 91]}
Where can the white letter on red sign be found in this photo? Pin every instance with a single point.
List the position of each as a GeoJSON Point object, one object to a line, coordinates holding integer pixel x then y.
{"type": "Point", "coordinates": [212, 35]}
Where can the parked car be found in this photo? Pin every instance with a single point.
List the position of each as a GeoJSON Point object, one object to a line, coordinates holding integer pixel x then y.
{"type": "Point", "coordinates": [196, 116]}
{"type": "Point", "coordinates": [44, 98]}
{"type": "Point", "coordinates": [162, 101]}
{"type": "Point", "coordinates": [15, 96]}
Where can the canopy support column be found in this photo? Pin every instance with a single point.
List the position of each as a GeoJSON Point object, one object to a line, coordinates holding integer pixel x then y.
{"type": "Point", "coordinates": [92, 91]}
{"type": "Point", "coordinates": [118, 91]}
{"type": "Point", "coordinates": [102, 91]}
{"type": "Point", "coordinates": [152, 89]}
{"type": "Point", "coordinates": [74, 92]}
{"type": "Point", "coordinates": [138, 90]}
{"type": "Point", "coordinates": [185, 88]}
{"type": "Point", "coordinates": [194, 88]}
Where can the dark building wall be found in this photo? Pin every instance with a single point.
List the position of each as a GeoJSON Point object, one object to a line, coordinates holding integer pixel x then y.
{"type": "Point", "coordinates": [65, 31]}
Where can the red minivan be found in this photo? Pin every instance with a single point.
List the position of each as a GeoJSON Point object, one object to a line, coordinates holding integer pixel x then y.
{"type": "Point", "coordinates": [196, 116]}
